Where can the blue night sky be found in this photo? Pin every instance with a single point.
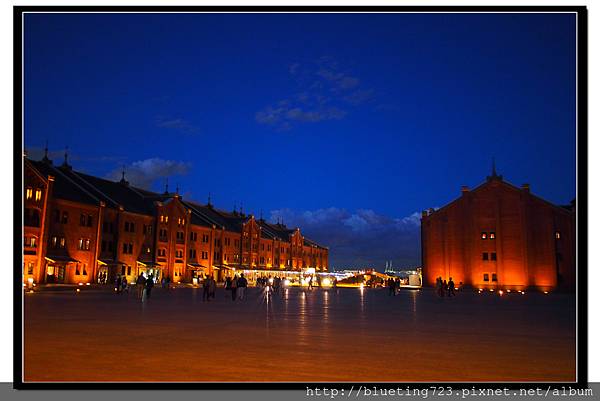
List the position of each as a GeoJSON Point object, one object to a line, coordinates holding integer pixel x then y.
{"type": "Point", "coordinates": [346, 125]}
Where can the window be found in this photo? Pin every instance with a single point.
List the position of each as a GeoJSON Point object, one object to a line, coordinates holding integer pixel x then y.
{"type": "Point", "coordinates": [162, 252]}
{"type": "Point", "coordinates": [557, 235]}
{"type": "Point", "coordinates": [31, 242]}
{"type": "Point", "coordinates": [57, 216]}
{"type": "Point", "coordinates": [268, 248]}
{"type": "Point", "coordinates": [32, 217]}
{"type": "Point", "coordinates": [54, 242]}
{"type": "Point", "coordinates": [84, 244]}
{"type": "Point", "coordinates": [493, 255]}
{"type": "Point", "coordinates": [192, 254]}
{"type": "Point", "coordinates": [494, 277]}
{"type": "Point", "coordinates": [227, 241]}
{"type": "Point", "coordinates": [129, 227]}
{"type": "Point", "coordinates": [89, 220]}
{"type": "Point", "coordinates": [62, 242]}
{"type": "Point", "coordinates": [180, 236]}
{"type": "Point", "coordinates": [128, 270]}
{"type": "Point", "coordinates": [148, 250]}
{"type": "Point", "coordinates": [164, 219]}
{"type": "Point", "coordinates": [485, 256]}
{"type": "Point", "coordinates": [193, 236]}
{"type": "Point", "coordinates": [28, 193]}
{"type": "Point", "coordinates": [204, 255]}
{"type": "Point", "coordinates": [492, 235]}
{"type": "Point", "coordinates": [179, 253]}
{"type": "Point", "coordinates": [147, 229]}
{"type": "Point", "coordinates": [483, 235]}
{"type": "Point", "coordinates": [122, 270]}
{"type": "Point", "coordinates": [103, 246]}
{"type": "Point", "coordinates": [262, 247]}
{"type": "Point", "coordinates": [486, 277]}
{"type": "Point", "coordinates": [65, 218]}
{"type": "Point", "coordinates": [30, 268]}
{"type": "Point", "coordinates": [127, 248]}
{"type": "Point", "coordinates": [162, 234]}
{"type": "Point", "coordinates": [205, 238]}
{"type": "Point", "coordinates": [77, 269]}
{"type": "Point", "coordinates": [82, 220]}
{"type": "Point", "coordinates": [38, 195]}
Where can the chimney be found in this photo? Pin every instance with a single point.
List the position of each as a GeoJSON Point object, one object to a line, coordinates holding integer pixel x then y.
{"type": "Point", "coordinates": [464, 189]}
{"type": "Point", "coordinates": [424, 213]}
{"type": "Point", "coordinates": [525, 188]}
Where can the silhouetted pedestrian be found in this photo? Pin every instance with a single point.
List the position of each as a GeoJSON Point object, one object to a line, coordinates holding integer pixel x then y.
{"type": "Point", "coordinates": [242, 284]}
{"type": "Point", "coordinates": [451, 287]}
{"type": "Point", "coordinates": [234, 285]}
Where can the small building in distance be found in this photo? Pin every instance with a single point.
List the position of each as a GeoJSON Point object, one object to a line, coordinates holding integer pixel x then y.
{"type": "Point", "coordinates": [499, 236]}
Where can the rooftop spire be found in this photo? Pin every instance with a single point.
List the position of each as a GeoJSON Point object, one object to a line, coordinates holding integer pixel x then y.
{"type": "Point", "coordinates": [167, 186]}
{"type": "Point", "coordinates": [177, 188]}
{"type": "Point", "coordinates": [123, 180]}
{"type": "Point", "coordinates": [45, 159]}
{"type": "Point", "coordinates": [66, 162]}
{"type": "Point", "coordinates": [494, 173]}
{"type": "Point", "coordinates": [209, 204]}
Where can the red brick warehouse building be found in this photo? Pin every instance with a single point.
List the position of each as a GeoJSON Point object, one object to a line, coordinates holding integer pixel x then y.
{"type": "Point", "coordinates": [77, 226]}
{"type": "Point", "coordinates": [500, 236]}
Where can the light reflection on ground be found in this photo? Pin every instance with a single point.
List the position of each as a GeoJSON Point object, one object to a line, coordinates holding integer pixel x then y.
{"type": "Point", "coordinates": [299, 335]}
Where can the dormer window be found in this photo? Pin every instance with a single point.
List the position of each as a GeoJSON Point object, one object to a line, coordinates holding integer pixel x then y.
{"type": "Point", "coordinates": [38, 195]}
{"type": "Point", "coordinates": [492, 235]}
{"type": "Point", "coordinates": [483, 235]}
{"type": "Point", "coordinates": [557, 235]}
{"type": "Point", "coordinates": [28, 193]}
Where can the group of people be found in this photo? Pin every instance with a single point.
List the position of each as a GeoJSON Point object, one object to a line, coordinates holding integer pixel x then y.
{"type": "Point", "coordinates": [393, 285]}
{"type": "Point", "coordinates": [237, 286]}
{"type": "Point", "coordinates": [445, 288]}
{"type": "Point", "coordinates": [209, 288]}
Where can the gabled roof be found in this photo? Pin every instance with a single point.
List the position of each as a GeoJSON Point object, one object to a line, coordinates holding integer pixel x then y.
{"type": "Point", "coordinates": [498, 180]}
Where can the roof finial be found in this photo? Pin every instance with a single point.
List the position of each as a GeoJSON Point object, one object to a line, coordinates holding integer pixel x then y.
{"type": "Point", "coordinates": [494, 173]}
{"type": "Point", "coordinates": [167, 186]}
{"type": "Point", "coordinates": [209, 204]}
{"type": "Point", "coordinates": [45, 159]}
{"type": "Point", "coordinates": [177, 188]}
{"type": "Point", "coordinates": [66, 162]}
{"type": "Point", "coordinates": [123, 180]}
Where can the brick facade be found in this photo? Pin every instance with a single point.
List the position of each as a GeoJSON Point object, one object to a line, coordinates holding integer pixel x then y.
{"type": "Point", "coordinates": [79, 227]}
{"type": "Point", "coordinates": [500, 236]}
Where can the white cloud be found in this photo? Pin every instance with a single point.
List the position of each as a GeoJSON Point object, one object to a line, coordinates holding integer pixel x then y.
{"type": "Point", "coordinates": [145, 173]}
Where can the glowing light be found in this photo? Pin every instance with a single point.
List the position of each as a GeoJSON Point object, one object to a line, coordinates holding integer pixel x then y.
{"type": "Point", "coordinates": [491, 290]}
{"type": "Point", "coordinates": [115, 290]}
{"type": "Point", "coordinates": [362, 286]}
{"type": "Point", "coordinates": [286, 282]}
{"type": "Point", "coordinates": [78, 290]}
{"type": "Point", "coordinates": [545, 292]}
{"type": "Point", "coordinates": [326, 282]}
{"type": "Point", "coordinates": [80, 283]}
{"type": "Point", "coordinates": [507, 290]}
{"type": "Point", "coordinates": [523, 292]}
{"type": "Point", "coordinates": [501, 292]}
{"type": "Point", "coordinates": [30, 280]}
{"type": "Point", "coordinates": [271, 280]}
{"type": "Point", "coordinates": [87, 283]}
{"type": "Point", "coordinates": [24, 285]}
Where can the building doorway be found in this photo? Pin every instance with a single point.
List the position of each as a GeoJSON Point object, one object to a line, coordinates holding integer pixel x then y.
{"type": "Point", "coordinates": [55, 274]}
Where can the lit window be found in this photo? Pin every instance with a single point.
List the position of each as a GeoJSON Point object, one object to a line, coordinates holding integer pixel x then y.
{"type": "Point", "coordinates": [38, 194]}
{"type": "Point", "coordinates": [62, 242]}
{"type": "Point", "coordinates": [492, 235]}
{"type": "Point", "coordinates": [486, 277]}
{"type": "Point", "coordinates": [483, 235]}
{"type": "Point", "coordinates": [29, 193]}
{"type": "Point", "coordinates": [557, 235]}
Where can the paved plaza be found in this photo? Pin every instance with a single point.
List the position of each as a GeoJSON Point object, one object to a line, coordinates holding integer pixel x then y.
{"type": "Point", "coordinates": [298, 335]}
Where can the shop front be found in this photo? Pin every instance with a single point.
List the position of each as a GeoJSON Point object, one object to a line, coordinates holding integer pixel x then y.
{"type": "Point", "coordinates": [56, 268]}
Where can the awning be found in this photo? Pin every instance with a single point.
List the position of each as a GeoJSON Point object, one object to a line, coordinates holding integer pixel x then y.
{"type": "Point", "coordinates": [197, 266]}
{"type": "Point", "coordinates": [149, 264]}
{"type": "Point", "coordinates": [106, 262]}
{"type": "Point", "coordinates": [60, 259]}
{"type": "Point", "coordinates": [224, 267]}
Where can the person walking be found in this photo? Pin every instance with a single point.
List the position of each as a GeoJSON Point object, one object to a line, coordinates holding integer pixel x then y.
{"type": "Point", "coordinates": [124, 286]}
{"type": "Point", "coordinates": [451, 288]}
{"type": "Point", "coordinates": [234, 285]}
{"type": "Point", "coordinates": [242, 284]}
{"type": "Point", "coordinates": [149, 285]}
{"type": "Point", "coordinates": [310, 283]}
{"type": "Point", "coordinates": [444, 288]}
{"type": "Point", "coordinates": [206, 289]}
{"type": "Point", "coordinates": [212, 288]}
{"type": "Point", "coordinates": [118, 284]}
{"type": "Point", "coordinates": [140, 283]}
